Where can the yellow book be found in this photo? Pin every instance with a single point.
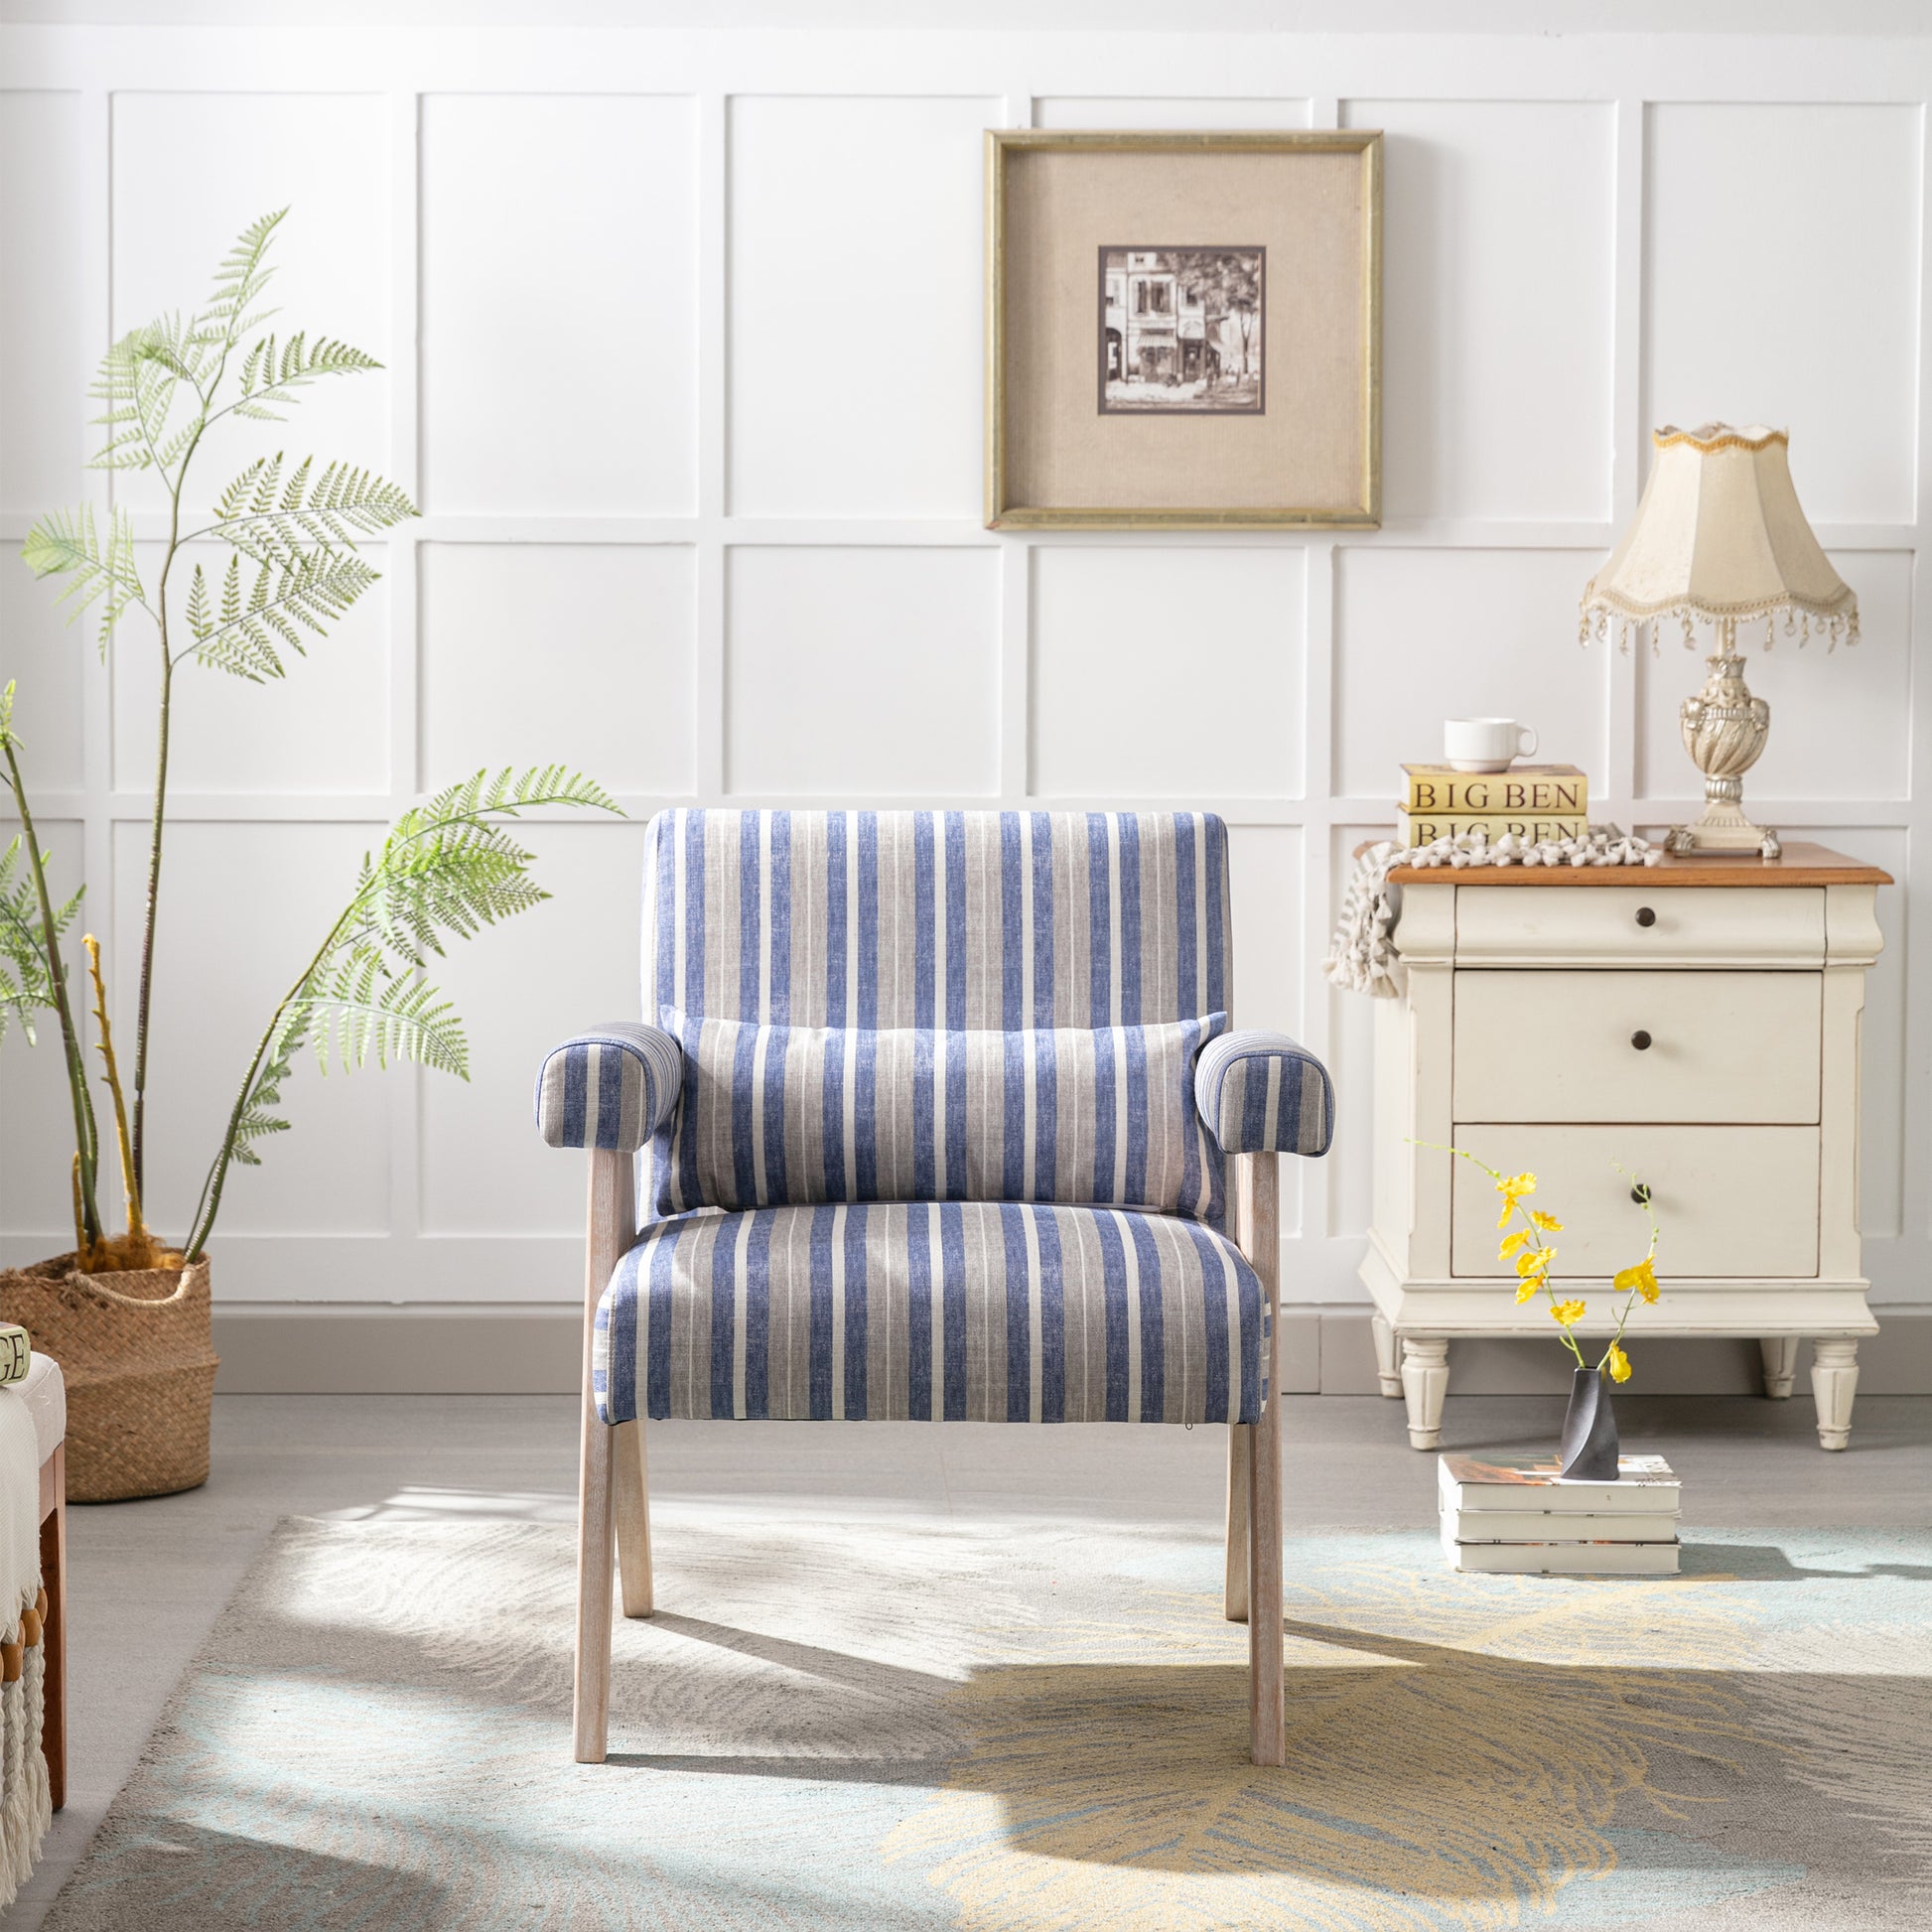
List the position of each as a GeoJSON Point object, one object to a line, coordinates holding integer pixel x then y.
{"type": "Point", "coordinates": [1425, 828]}
{"type": "Point", "coordinates": [1524, 790]}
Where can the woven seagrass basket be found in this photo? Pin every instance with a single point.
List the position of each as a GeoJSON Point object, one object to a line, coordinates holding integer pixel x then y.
{"type": "Point", "coordinates": [137, 1353]}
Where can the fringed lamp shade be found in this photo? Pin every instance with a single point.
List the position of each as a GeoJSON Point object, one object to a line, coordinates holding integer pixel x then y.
{"type": "Point", "coordinates": [1718, 538]}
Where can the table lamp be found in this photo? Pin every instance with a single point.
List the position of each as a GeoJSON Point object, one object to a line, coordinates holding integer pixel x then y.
{"type": "Point", "coordinates": [1718, 538]}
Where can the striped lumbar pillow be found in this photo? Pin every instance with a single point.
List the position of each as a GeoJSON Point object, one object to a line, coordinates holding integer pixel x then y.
{"type": "Point", "coordinates": [773, 1115]}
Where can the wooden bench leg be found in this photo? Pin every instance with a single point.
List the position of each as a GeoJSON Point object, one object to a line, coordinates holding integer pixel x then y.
{"type": "Point", "coordinates": [54, 1629]}
{"type": "Point", "coordinates": [1268, 1743]}
{"type": "Point", "coordinates": [612, 1224]}
{"type": "Point", "coordinates": [632, 1477]}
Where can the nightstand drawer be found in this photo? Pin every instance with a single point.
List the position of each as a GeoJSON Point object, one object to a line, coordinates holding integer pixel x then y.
{"type": "Point", "coordinates": [1633, 925]}
{"type": "Point", "coordinates": [1637, 1046]}
{"type": "Point", "coordinates": [1732, 1200]}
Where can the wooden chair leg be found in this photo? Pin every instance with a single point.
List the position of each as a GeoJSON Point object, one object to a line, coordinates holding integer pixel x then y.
{"type": "Point", "coordinates": [1268, 1743]}
{"type": "Point", "coordinates": [1234, 1587]}
{"type": "Point", "coordinates": [53, 1628]}
{"type": "Point", "coordinates": [633, 1478]}
{"type": "Point", "coordinates": [612, 1225]}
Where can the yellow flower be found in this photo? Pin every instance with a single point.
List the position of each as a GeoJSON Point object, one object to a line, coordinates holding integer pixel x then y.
{"type": "Point", "coordinates": [1524, 1289]}
{"type": "Point", "coordinates": [1643, 1278]}
{"type": "Point", "coordinates": [1511, 1242]}
{"type": "Point", "coordinates": [1619, 1363]}
{"type": "Point", "coordinates": [1512, 1189]}
{"type": "Point", "coordinates": [1567, 1313]}
{"type": "Point", "coordinates": [1547, 1223]}
{"type": "Point", "coordinates": [1535, 1262]}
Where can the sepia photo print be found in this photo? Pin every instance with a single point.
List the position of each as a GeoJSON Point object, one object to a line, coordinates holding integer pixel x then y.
{"type": "Point", "coordinates": [1180, 331]}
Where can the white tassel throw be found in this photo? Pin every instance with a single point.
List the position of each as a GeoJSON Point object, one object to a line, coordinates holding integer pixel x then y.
{"type": "Point", "coordinates": [24, 1800]}
{"type": "Point", "coordinates": [1363, 957]}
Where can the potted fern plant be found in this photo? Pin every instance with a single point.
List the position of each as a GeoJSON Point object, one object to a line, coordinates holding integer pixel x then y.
{"type": "Point", "coordinates": [127, 1312]}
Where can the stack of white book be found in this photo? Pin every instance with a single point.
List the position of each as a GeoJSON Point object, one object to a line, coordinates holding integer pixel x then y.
{"type": "Point", "coordinates": [1516, 1516]}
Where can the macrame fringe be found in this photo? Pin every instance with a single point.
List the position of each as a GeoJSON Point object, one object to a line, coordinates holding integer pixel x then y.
{"type": "Point", "coordinates": [26, 1797]}
{"type": "Point", "coordinates": [1363, 957]}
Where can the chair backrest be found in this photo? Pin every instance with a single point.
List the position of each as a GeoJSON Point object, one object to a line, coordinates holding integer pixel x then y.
{"type": "Point", "coordinates": [961, 921]}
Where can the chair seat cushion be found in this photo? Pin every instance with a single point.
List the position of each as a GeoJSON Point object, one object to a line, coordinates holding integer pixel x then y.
{"type": "Point", "coordinates": [955, 1310]}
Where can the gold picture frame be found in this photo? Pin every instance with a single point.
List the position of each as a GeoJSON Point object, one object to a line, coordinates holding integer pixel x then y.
{"type": "Point", "coordinates": [1131, 414]}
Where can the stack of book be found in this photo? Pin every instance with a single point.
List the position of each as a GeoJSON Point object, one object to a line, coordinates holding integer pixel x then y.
{"type": "Point", "coordinates": [1538, 802]}
{"type": "Point", "coordinates": [1515, 1516]}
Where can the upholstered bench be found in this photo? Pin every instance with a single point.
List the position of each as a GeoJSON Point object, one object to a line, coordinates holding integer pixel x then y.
{"type": "Point", "coordinates": [45, 1393]}
{"type": "Point", "coordinates": [939, 1108]}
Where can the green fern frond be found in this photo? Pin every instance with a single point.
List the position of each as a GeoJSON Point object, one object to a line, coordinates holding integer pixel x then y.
{"type": "Point", "coordinates": [201, 618]}
{"type": "Point", "coordinates": [271, 522]}
{"type": "Point", "coordinates": [308, 592]}
{"type": "Point", "coordinates": [26, 979]}
{"type": "Point", "coordinates": [273, 369]}
{"type": "Point", "coordinates": [239, 282]}
{"type": "Point", "coordinates": [447, 870]}
{"type": "Point", "coordinates": [66, 543]}
{"type": "Point", "coordinates": [360, 1008]}
{"type": "Point", "coordinates": [254, 1120]}
{"type": "Point", "coordinates": [234, 500]}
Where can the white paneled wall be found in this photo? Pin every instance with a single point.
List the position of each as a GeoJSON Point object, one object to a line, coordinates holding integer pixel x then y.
{"type": "Point", "coordinates": [684, 363]}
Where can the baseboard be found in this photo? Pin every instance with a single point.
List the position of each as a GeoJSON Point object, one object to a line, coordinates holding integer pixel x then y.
{"type": "Point", "coordinates": [536, 1348]}
{"type": "Point", "coordinates": [365, 1348]}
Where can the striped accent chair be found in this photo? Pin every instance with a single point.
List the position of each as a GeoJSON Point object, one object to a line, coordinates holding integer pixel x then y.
{"type": "Point", "coordinates": [944, 1121]}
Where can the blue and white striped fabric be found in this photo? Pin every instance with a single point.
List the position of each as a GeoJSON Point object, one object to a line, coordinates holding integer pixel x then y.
{"type": "Point", "coordinates": [941, 922]}
{"type": "Point", "coordinates": [772, 1114]}
{"type": "Point", "coordinates": [610, 1087]}
{"type": "Point", "coordinates": [1262, 1093]}
{"type": "Point", "coordinates": [996, 1312]}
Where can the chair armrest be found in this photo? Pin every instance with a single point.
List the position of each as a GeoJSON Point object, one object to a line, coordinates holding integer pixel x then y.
{"type": "Point", "coordinates": [1261, 1093]}
{"type": "Point", "coordinates": [611, 1087]}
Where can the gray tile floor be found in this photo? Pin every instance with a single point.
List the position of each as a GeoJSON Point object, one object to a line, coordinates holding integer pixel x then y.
{"type": "Point", "coordinates": [147, 1579]}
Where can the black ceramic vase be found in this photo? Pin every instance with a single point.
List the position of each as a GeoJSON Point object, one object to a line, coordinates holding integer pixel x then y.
{"type": "Point", "coordinates": [1589, 1447]}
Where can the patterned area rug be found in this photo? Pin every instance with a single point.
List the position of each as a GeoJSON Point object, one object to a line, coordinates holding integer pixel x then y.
{"type": "Point", "coordinates": [932, 1724]}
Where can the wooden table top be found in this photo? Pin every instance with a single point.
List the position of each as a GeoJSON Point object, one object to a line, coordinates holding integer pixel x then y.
{"type": "Point", "coordinates": [1803, 864]}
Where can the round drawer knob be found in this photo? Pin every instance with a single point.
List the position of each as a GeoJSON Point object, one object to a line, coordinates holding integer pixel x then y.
{"type": "Point", "coordinates": [1640, 1041]}
{"type": "Point", "coordinates": [1646, 915]}
{"type": "Point", "coordinates": [1640, 1194]}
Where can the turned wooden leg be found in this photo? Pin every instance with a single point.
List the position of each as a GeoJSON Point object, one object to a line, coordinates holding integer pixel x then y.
{"type": "Point", "coordinates": [1267, 1729]}
{"type": "Point", "coordinates": [631, 1475]}
{"type": "Point", "coordinates": [1780, 1354]}
{"type": "Point", "coordinates": [1386, 1370]}
{"type": "Point", "coordinates": [1834, 1383]}
{"type": "Point", "coordinates": [53, 1627]}
{"type": "Point", "coordinates": [612, 1223]}
{"type": "Point", "coordinates": [1424, 1382]}
{"type": "Point", "coordinates": [1234, 1586]}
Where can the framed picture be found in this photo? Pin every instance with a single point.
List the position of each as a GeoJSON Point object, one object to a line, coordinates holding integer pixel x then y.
{"type": "Point", "coordinates": [1183, 329]}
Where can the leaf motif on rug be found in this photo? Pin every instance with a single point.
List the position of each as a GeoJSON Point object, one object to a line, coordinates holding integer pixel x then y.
{"type": "Point", "coordinates": [1456, 1747]}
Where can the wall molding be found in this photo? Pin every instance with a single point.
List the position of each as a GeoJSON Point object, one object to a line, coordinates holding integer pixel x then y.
{"type": "Point", "coordinates": [414, 1245]}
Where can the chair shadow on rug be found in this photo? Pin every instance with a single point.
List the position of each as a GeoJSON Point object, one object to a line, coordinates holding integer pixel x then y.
{"type": "Point", "coordinates": [1457, 1781]}
{"type": "Point", "coordinates": [1456, 1776]}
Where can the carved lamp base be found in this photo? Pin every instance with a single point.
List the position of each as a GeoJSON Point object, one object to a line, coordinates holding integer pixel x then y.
{"type": "Point", "coordinates": [1723, 828]}
{"type": "Point", "coordinates": [1724, 728]}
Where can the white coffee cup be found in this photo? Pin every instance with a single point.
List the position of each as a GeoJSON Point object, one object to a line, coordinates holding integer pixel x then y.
{"type": "Point", "coordinates": [1486, 743]}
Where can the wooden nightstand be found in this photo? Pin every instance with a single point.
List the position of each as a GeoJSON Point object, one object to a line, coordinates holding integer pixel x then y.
{"type": "Point", "coordinates": [1696, 1021]}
